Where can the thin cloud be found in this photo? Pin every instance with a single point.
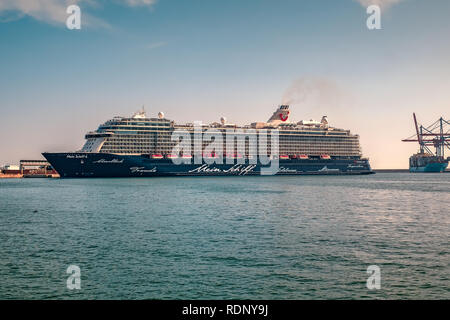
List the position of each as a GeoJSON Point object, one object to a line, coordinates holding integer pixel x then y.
{"type": "Point", "coordinates": [54, 11]}
{"type": "Point", "coordinates": [383, 4]}
{"type": "Point", "coordinates": [156, 45]}
{"type": "Point", "coordinates": [11, 16]}
{"type": "Point", "coordinates": [136, 3]}
{"type": "Point", "coordinates": [50, 11]}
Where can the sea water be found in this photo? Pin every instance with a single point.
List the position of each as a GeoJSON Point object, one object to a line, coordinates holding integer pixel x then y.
{"type": "Point", "coordinates": [299, 237]}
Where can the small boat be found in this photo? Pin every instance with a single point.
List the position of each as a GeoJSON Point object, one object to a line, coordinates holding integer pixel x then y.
{"type": "Point", "coordinates": [303, 157]}
{"type": "Point", "coordinates": [172, 156]}
{"type": "Point", "coordinates": [325, 157]}
{"type": "Point", "coordinates": [157, 156]}
{"type": "Point", "coordinates": [284, 157]}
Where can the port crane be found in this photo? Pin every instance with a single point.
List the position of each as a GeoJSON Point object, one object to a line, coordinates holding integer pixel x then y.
{"type": "Point", "coordinates": [436, 135]}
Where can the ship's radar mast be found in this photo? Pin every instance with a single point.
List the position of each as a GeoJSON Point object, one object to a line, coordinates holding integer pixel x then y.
{"type": "Point", "coordinates": [140, 114]}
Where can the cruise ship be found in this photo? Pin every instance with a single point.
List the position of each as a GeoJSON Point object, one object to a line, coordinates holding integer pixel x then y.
{"type": "Point", "coordinates": [141, 146]}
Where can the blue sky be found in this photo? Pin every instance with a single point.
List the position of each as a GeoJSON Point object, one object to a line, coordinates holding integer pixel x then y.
{"type": "Point", "coordinates": [202, 59]}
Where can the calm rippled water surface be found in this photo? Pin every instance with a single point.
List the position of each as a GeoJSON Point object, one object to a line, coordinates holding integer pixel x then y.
{"type": "Point", "coordinates": [226, 237]}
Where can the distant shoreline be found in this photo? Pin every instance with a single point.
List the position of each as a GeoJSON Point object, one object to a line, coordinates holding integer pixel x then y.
{"type": "Point", "coordinates": [400, 170]}
{"type": "Point", "coordinates": [20, 176]}
{"type": "Point", "coordinates": [390, 170]}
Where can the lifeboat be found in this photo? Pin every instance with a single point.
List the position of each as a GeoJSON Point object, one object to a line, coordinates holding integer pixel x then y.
{"type": "Point", "coordinates": [172, 156]}
{"type": "Point", "coordinates": [284, 157]}
{"type": "Point", "coordinates": [187, 156]}
{"type": "Point", "coordinates": [303, 156]}
{"type": "Point", "coordinates": [157, 156]}
{"type": "Point", "coordinates": [234, 155]}
{"type": "Point", "coordinates": [325, 157]}
{"type": "Point", "coordinates": [210, 155]}
{"type": "Point", "coordinates": [294, 156]}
